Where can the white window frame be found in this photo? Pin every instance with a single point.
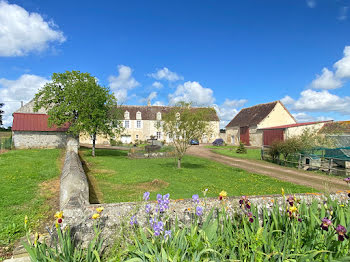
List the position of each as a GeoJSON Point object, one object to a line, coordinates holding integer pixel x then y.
{"type": "Point", "coordinates": [159, 116]}
{"type": "Point", "coordinates": [138, 115]}
{"type": "Point", "coordinates": [127, 126]}
{"type": "Point", "coordinates": [159, 135]}
{"type": "Point", "coordinates": [127, 115]}
{"type": "Point", "coordinates": [137, 124]}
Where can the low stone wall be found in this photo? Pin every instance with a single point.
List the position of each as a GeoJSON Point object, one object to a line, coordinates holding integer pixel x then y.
{"type": "Point", "coordinates": [151, 155]}
{"type": "Point", "coordinates": [74, 187]}
{"type": "Point", "coordinates": [36, 139]}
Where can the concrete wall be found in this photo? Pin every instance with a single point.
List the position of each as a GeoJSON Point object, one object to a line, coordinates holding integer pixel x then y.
{"type": "Point", "coordinates": [37, 139]}
{"type": "Point", "coordinates": [255, 136]}
{"type": "Point", "coordinates": [278, 116]}
{"type": "Point", "coordinates": [298, 130]}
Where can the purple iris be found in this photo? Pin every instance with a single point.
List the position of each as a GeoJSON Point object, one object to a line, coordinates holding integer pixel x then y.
{"type": "Point", "coordinates": [163, 203]}
{"type": "Point", "coordinates": [199, 211]}
{"type": "Point", "coordinates": [290, 200]}
{"type": "Point", "coordinates": [146, 196]}
{"type": "Point", "coordinates": [133, 221]}
{"type": "Point", "coordinates": [159, 198]}
{"type": "Point", "coordinates": [347, 180]}
{"type": "Point", "coordinates": [158, 228]}
{"type": "Point", "coordinates": [148, 208]}
{"type": "Point", "coordinates": [341, 231]}
{"type": "Point", "coordinates": [244, 202]}
{"type": "Point", "coordinates": [167, 233]}
{"type": "Point", "coordinates": [325, 223]}
{"type": "Point", "coordinates": [195, 198]}
{"type": "Point", "coordinates": [250, 216]}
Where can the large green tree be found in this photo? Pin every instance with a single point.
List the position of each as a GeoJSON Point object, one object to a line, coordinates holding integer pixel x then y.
{"type": "Point", "coordinates": [183, 123]}
{"type": "Point", "coordinates": [1, 113]}
{"type": "Point", "coordinates": [76, 98]}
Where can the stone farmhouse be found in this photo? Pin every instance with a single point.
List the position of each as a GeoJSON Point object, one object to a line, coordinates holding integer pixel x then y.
{"type": "Point", "coordinates": [140, 124]}
{"type": "Point", "coordinates": [247, 125]}
{"type": "Point", "coordinates": [30, 130]}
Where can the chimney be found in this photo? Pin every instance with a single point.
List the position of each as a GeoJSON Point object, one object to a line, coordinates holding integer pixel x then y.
{"type": "Point", "coordinates": [149, 102]}
{"type": "Point", "coordinates": [21, 103]}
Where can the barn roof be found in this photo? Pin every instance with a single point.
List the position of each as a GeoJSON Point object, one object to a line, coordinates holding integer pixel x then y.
{"type": "Point", "coordinates": [34, 122]}
{"type": "Point", "coordinates": [336, 127]}
{"type": "Point", "coordinates": [150, 112]}
{"type": "Point", "coordinates": [251, 116]}
{"type": "Point", "coordinates": [296, 125]}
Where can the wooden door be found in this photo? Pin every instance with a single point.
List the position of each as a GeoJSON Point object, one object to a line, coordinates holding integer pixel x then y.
{"type": "Point", "coordinates": [244, 135]}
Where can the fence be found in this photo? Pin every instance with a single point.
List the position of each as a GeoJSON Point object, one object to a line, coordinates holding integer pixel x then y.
{"type": "Point", "coordinates": [5, 143]}
{"type": "Point", "coordinates": [315, 162]}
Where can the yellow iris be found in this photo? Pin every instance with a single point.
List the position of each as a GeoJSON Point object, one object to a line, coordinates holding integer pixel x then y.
{"type": "Point", "coordinates": [26, 220]}
{"type": "Point", "coordinates": [282, 191]}
{"type": "Point", "coordinates": [223, 194]}
{"type": "Point", "coordinates": [293, 209]}
{"type": "Point", "coordinates": [59, 214]}
{"type": "Point", "coordinates": [99, 209]}
{"type": "Point", "coordinates": [95, 216]}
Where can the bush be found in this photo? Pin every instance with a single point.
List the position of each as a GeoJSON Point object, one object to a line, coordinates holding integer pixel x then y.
{"type": "Point", "coordinates": [113, 142]}
{"type": "Point", "coordinates": [241, 149]}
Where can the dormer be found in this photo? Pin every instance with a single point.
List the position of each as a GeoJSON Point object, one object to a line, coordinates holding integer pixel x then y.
{"type": "Point", "coordinates": [159, 116]}
{"type": "Point", "coordinates": [138, 115]}
{"type": "Point", "coordinates": [177, 115]}
{"type": "Point", "coordinates": [126, 115]}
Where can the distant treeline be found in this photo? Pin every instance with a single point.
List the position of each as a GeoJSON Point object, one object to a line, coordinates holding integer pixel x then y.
{"type": "Point", "coordinates": [5, 129]}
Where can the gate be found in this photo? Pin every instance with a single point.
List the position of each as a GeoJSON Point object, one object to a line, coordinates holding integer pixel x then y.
{"type": "Point", "coordinates": [244, 135]}
{"type": "Point", "coordinates": [272, 135]}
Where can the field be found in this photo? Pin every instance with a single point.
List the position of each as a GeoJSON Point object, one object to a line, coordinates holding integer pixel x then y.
{"type": "Point", "coordinates": [29, 186]}
{"type": "Point", "coordinates": [115, 178]}
{"type": "Point", "coordinates": [5, 134]}
{"type": "Point", "coordinates": [252, 153]}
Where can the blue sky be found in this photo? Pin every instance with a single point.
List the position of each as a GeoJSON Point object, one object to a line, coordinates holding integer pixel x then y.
{"type": "Point", "coordinates": [226, 54]}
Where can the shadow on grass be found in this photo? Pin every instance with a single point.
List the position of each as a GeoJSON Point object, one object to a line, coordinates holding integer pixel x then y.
{"type": "Point", "coordinates": [183, 165]}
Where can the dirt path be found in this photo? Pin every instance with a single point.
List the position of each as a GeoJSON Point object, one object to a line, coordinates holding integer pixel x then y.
{"type": "Point", "coordinates": [319, 182]}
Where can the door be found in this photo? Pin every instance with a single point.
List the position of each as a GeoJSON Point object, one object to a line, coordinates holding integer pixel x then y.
{"type": "Point", "coordinates": [244, 135]}
{"type": "Point", "coordinates": [126, 139]}
{"type": "Point", "coordinates": [272, 135]}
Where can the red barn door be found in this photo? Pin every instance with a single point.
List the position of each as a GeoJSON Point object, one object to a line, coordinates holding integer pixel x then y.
{"type": "Point", "coordinates": [271, 135]}
{"type": "Point", "coordinates": [244, 135]}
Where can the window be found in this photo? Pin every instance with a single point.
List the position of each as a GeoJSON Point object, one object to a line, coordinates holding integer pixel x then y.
{"type": "Point", "coordinates": [138, 115]}
{"type": "Point", "coordinates": [159, 116]}
{"type": "Point", "coordinates": [126, 115]}
{"type": "Point", "coordinates": [159, 135]}
{"type": "Point", "coordinates": [126, 124]}
{"type": "Point", "coordinates": [137, 136]}
{"type": "Point", "coordinates": [138, 123]}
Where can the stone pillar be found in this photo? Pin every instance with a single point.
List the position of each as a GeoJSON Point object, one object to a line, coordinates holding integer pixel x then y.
{"type": "Point", "coordinates": [73, 144]}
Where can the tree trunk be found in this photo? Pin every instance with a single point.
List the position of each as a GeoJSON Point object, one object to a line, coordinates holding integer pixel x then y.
{"type": "Point", "coordinates": [179, 163]}
{"type": "Point", "coordinates": [93, 144]}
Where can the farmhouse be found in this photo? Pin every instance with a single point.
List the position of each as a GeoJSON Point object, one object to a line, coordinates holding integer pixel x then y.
{"type": "Point", "coordinates": [140, 124]}
{"type": "Point", "coordinates": [280, 133]}
{"type": "Point", "coordinates": [246, 126]}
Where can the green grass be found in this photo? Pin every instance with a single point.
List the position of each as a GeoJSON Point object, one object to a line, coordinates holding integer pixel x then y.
{"type": "Point", "coordinates": [21, 173]}
{"type": "Point", "coordinates": [252, 153]}
{"type": "Point", "coordinates": [119, 179]}
{"type": "Point", "coordinates": [5, 134]}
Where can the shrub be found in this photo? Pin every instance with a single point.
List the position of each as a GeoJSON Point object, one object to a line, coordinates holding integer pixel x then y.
{"type": "Point", "coordinates": [241, 149]}
{"type": "Point", "coordinates": [113, 142]}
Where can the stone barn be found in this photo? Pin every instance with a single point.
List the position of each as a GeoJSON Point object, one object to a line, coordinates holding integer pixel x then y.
{"type": "Point", "coordinates": [31, 130]}
{"type": "Point", "coordinates": [246, 126]}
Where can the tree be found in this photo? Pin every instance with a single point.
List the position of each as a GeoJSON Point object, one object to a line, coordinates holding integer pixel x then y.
{"type": "Point", "coordinates": [76, 98]}
{"type": "Point", "coordinates": [241, 149]}
{"type": "Point", "coordinates": [1, 113]}
{"type": "Point", "coordinates": [183, 123]}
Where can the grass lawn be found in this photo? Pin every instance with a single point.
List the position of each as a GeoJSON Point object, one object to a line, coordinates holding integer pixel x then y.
{"type": "Point", "coordinates": [115, 178]}
{"type": "Point", "coordinates": [5, 134]}
{"type": "Point", "coordinates": [29, 186]}
{"type": "Point", "coordinates": [252, 153]}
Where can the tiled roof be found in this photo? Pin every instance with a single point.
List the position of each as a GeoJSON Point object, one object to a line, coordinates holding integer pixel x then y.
{"type": "Point", "coordinates": [295, 125]}
{"type": "Point", "coordinates": [34, 122]}
{"type": "Point", "coordinates": [150, 112]}
{"type": "Point", "coordinates": [336, 127]}
{"type": "Point", "coordinates": [252, 116]}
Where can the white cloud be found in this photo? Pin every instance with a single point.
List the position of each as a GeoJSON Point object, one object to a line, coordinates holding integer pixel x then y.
{"type": "Point", "coordinates": [122, 83]}
{"type": "Point", "coordinates": [228, 110]}
{"type": "Point", "coordinates": [311, 3]}
{"type": "Point", "coordinates": [343, 65]}
{"type": "Point", "coordinates": [14, 91]}
{"type": "Point", "coordinates": [157, 85]}
{"type": "Point", "coordinates": [321, 101]}
{"type": "Point", "coordinates": [22, 32]}
{"type": "Point", "coordinates": [166, 74]}
{"type": "Point", "coordinates": [343, 14]}
{"type": "Point", "coordinates": [150, 97]}
{"type": "Point", "coordinates": [287, 100]}
{"type": "Point", "coordinates": [192, 92]}
{"type": "Point", "coordinates": [158, 103]}
{"type": "Point", "coordinates": [326, 80]}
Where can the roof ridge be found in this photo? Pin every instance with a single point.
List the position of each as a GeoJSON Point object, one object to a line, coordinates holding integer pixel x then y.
{"type": "Point", "coordinates": [262, 104]}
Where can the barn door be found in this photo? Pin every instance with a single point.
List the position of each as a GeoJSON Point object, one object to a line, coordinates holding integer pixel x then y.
{"type": "Point", "coordinates": [244, 135]}
{"type": "Point", "coordinates": [272, 135]}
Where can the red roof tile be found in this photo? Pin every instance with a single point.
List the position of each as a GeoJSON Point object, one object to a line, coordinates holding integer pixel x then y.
{"type": "Point", "coordinates": [34, 122]}
{"type": "Point", "coordinates": [295, 125]}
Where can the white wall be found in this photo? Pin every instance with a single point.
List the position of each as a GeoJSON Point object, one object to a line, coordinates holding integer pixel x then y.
{"type": "Point", "coordinates": [36, 139]}
{"type": "Point", "coordinates": [277, 117]}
